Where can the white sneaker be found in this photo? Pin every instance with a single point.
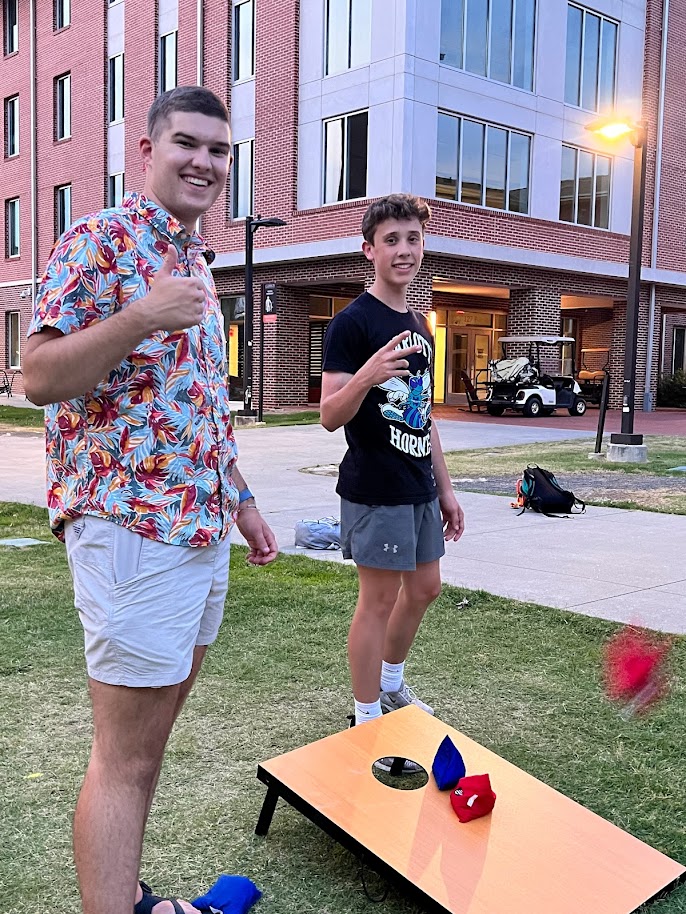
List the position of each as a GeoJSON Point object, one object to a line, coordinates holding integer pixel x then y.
{"type": "Point", "coordinates": [391, 701]}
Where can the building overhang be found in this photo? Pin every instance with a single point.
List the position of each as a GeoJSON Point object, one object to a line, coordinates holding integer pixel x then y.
{"type": "Point", "coordinates": [454, 247]}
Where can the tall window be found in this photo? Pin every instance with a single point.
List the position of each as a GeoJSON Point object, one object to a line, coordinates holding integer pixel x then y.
{"type": "Point", "coordinates": [345, 157]}
{"type": "Point", "coordinates": [12, 126]}
{"type": "Point", "coordinates": [116, 88]}
{"type": "Point", "coordinates": [244, 40]}
{"type": "Point", "coordinates": [585, 188]}
{"type": "Point", "coordinates": [62, 13]}
{"type": "Point", "coordinates": [679, 349]}
{"type": "Point", "coordinates": [168, 62]}
{"type": "Point", "coordinates": [115, 189]}
{"type": "Point", "coordinates": [12, 331]}
{"type": "Point", "coordinates": [63, 107]}
{"type": "Point", "coordinates": [348, 34]}
{"type": "Point", "coordinates": [591, 69]}
{"type": "Point", "coordinates": [243, 170]}
{"type": "Point", "coordinates": [11, 26]}
{"type": "Point", "coordinates": [12, 228]}
{"type": "Point", "coordinates": [493, 38]}
{"type": "Point", "coordinates": [62, 209]}
{"type": "Point", "coordinates": [482, 164]}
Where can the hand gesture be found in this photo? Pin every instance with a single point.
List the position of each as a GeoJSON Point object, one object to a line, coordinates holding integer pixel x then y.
{"type": "Point", "coordinates": [389, 362]}
{"type": "Point", "coordinates": [174, 302]}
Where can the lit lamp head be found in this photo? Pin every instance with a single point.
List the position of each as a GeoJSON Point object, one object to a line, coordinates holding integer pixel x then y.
{"type": "Point", "coordinates": [614, 128]}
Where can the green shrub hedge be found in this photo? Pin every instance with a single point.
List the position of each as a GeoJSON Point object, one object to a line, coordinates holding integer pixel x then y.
{"type": "Point", "coordinates": [671, 391]}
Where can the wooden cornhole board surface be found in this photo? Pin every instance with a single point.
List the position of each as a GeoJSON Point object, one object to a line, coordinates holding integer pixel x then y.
{"type": "Point", "coordinates": [538, 852]}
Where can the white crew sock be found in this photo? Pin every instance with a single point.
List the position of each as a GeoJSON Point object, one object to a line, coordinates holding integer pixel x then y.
{"type": "Point", "coordinates": [391, 676]}
{"type": "Point", "coordinates": [365, 712]}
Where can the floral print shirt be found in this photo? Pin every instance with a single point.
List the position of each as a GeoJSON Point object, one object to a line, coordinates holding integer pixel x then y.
{"type": "Point", "coordinates": [152, 446]}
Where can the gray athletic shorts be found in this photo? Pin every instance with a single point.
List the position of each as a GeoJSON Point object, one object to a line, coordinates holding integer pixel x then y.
{"type": "Point", "coordinates": [144, 605]}
{"type": "Point", "coordinates": [393, 537]}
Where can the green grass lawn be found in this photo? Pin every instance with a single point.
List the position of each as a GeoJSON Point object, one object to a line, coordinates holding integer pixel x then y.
{"type": "Point", "coordinates": [519, 678]}
{"type": "Point", "coordinates": [22, 417]}
{"type": "Point", "coordinates": [664, 452]}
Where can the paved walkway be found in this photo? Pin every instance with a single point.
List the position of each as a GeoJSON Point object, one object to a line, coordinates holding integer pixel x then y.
{"type": "Point", "coordinates": [621, 565]}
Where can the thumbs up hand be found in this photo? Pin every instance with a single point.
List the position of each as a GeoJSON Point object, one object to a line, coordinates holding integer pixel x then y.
{"type": "Point", "coordinates": [174, 302]}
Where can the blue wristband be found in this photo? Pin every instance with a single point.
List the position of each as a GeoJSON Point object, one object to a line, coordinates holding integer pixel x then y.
{"type": "Point", "coordinates": [244, 495]}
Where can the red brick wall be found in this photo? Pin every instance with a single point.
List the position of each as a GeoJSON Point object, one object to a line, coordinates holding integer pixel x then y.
{"type": "Point", "coordinates": [672, 253]}
{"type": "Point", "coordinates": [140, 83]}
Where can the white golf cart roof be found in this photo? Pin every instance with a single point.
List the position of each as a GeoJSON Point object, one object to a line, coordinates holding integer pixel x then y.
{"type": "Point", "coordinates": [548, 340]}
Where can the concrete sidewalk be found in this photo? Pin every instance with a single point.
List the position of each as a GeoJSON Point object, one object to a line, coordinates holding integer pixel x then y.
{"type": "Point", "coordinates": [622, 565]}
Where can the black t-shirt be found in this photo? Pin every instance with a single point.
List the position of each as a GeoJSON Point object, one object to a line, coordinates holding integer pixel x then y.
{"type": "Point", "coordinates": [388, 461]}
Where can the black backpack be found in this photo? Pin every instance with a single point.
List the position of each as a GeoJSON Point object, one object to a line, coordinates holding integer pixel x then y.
{"type": "Point", "coordinates": [539, 490]}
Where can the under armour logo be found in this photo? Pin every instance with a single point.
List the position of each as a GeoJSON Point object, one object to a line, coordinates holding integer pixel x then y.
{"type": "Point", "coordinates": [386, 547]}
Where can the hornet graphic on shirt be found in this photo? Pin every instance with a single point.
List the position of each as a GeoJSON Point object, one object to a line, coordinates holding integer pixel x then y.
{"type": "Point", "coordinates": [408, 402]}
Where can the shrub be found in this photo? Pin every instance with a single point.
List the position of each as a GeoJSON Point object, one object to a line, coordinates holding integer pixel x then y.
{"type": "Point", "coordinates": [671, 391]}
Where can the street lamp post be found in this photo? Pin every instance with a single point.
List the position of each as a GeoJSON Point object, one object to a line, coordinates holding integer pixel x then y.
{"type": "Point", "coordinates": [252, 224]}
{"type": "Point", "coordinates": [637, 132]}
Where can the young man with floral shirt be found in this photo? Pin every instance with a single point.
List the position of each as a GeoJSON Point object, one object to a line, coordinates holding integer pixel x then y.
{"type": "Point", "coordinates": [127, 350]}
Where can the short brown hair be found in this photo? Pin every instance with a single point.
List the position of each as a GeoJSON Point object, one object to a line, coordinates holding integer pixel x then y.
{"type": "Point", "coordinates": [395, 206]}
{"type": "Point", "coordinates": [195, 99]}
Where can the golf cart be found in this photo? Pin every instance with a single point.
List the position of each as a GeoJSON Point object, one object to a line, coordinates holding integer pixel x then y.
{"type": "Point", "coordinates": [520, 383]}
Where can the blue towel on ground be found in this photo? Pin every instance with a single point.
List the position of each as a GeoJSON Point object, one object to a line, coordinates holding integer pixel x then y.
{"type": "Point", "coordinates": [230, 895]}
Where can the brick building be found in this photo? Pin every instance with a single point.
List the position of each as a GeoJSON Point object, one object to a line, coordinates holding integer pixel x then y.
{"type": "Point", "coordinates": [480, 108]}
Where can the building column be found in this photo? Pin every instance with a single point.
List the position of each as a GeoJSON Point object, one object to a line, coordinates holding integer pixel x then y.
{"type": "Point", "coordinates": [617, 351]}
{"type": "Point", "coordinates": [286, 349]}
{"type": "Point", "coordinates": [535, 311]}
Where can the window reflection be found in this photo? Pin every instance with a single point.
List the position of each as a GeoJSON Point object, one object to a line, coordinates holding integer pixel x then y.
{"type": "Point", "coordinates": [591, 65]}
{"type": "Point", "coordinates": [494, 39]}
{"type": "Point", "coordinates": [585, 188]}
{"type": "Point", "coordinates": [348, 34]}
{"type": "Point", "coordinates": [244, 45]}
{"type": "Point", "coordinates": [472, 161]}
{"type": "Point", "coordinates": [482, 164]}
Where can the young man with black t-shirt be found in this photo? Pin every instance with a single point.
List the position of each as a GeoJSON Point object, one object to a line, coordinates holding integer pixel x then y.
{"type": "Point", "coordinates": [397, 501]}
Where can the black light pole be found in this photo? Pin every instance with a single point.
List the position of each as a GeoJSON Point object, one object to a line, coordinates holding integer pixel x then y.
{"type": "Point", "coordinates": [627, 435]}
{"type": "Point", "coordinates": [252, 224]}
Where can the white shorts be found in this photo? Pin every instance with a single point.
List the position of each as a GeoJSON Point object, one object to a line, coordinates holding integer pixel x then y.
{"type": "Point", "coordinates": [144, 605]}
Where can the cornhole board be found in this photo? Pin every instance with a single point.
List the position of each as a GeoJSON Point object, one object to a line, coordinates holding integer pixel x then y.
{"type": "Point", "coordinates": [537, 853]}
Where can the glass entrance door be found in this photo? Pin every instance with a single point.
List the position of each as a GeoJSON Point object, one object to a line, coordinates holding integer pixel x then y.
{"type": "Point", "coordinates": [470, 351]}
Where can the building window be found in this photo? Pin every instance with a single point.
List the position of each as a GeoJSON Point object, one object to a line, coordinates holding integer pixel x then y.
{"type": "Point", "coordinates": [11, 24]}
{"type": "Point", "coordinates": [116, 88]}
{"type": "Point", "coordinates": [345, 157]}
{"type": "Point", "coordinates": [591, 69]}
{"type": "Point", "coordinates": [244, 40]}
{"type": "Point", "coordinates": [12, 227]}
{"type": "Point", "coordinates": [115, 189]}
{"type": "Point", "coordinates": [63, 107]}
{"type": "Point", "coordinates": [243, 181]}
{"type": "Point", "coordinates": [12, 126]}
{"type": "Point", "coordinates": [482, 164]}
{"type": "Point", "coordinates": [62, 14]}
{"type": "Point", "coordinates": [493, 39]}
{"type": "Point", "coordinates": [168, 62]}
{"type": "Point", "coordinates": [12, 332]}
{"type": "Point", "coordinates": [348, 34]}
{"type": "Point", "coordinates": [62, 209]}
{"type": "Point", "coordinates": [679, 349]}
{"type": "Point", "coordinates": [585, 188]}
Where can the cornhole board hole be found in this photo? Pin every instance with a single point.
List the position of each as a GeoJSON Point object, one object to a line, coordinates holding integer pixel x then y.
{"type": "Point", "coordinates": [537, 853]}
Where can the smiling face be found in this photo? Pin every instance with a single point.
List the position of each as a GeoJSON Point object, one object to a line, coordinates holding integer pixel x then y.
{"type": "Point", "coordinates": [187, 164]}
{"type": "Point", "coordinates": [396, 252]}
